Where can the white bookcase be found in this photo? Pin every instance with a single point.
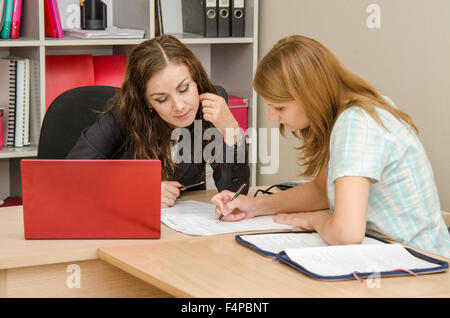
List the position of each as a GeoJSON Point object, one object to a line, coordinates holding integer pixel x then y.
{"type": "Point", "coordinates": [230, 62]}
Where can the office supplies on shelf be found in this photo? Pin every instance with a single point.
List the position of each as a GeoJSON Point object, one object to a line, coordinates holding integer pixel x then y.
{"type": "Point", "coordinates": [7, 19]}
{"type": "Point", "coordinates": [93, 15]}
{"type": "Point", "coordinates": [239, 108]}
{"type": "Point", "coordinates": [224, 18]}
{"type": "Point", "coordinates": [237, 18]}
{"type": "Point", "coordinates": [111, 32]}
{"type": "Point", "coordinates": [68, 199]}
{"type": "Point", "coordinates": [198, 218]}
{"type": "Point", "coordinates": [56, 20]}
{"type": "Point", "coordinates": [15, 22]}
{"type": "Point", "coordinates": [238, 192]}
{"type": "Point", "coordinates": [184, 188]}
{"type": "Point", "coordinates": [306, 252]}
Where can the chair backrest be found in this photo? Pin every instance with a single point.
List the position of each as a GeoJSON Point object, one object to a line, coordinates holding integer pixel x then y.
{"type": "Point", "coordinates": [67, 116]}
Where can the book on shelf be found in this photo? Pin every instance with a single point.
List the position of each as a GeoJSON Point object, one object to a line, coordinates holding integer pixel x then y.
{"type": "Point", "coordinates": [15, 21]}
{"type": "Point", "coordinates": [22, 112]}
{"type": "Point", "coordinates": [53, 27]}
{"type": "Point", "coordinates": [8, 99]}
{"type": "Point", "coordinates": [111, 32]}
{"type": "Point", "coordinates": [5, 32]}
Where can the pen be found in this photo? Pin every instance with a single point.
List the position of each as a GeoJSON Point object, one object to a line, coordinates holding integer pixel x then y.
{"type": "Point", "coordinates": [234, 197]}
{"type": "Point", "coordinates": [191, 186]}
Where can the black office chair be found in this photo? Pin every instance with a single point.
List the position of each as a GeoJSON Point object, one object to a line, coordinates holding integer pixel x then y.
{"type": "Point", "coordinates": [67, 116]}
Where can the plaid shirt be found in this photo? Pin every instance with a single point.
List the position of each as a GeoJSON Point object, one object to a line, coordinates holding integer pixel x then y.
{"type": "Point", "coordinates": [403, 199]}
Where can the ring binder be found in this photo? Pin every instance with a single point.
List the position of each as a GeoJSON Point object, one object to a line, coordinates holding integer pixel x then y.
{"type": "Point", "coordinates": [224, 28]}
{"type": "Point", "coordinates": [238, 18]}
{"type": "Point", "coordinates": [211, 18]}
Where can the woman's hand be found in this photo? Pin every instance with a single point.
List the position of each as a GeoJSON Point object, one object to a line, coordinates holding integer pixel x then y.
{"type": "Point", "coordinates": [243, 207]}
{"type": "Point", "coordinates": [304, 220]}
{"type": "Point", "coordinates": [217, 112]}
{"type": "Point", "coordinates": [170, 191]}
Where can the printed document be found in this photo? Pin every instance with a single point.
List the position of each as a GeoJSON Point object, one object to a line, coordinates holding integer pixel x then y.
{"type": "Point", "coordinates": [198, 218]}
{"type": "Point", "coordinates": [278, 242]}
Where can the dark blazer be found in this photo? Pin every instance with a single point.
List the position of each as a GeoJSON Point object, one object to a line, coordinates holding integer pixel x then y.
{"type": "Point", "coordinates": [106, 139]}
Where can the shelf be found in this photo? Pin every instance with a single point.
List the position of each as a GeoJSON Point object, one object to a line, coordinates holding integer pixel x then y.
{"type": "Point", "coordinates": [19, 152]}
{"type": "Point", "coordinates": [21, 42]}
{"type": "Point", "coordinates": [69, 41]}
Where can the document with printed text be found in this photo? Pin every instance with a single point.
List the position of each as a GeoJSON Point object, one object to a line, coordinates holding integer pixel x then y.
{"type": "Point", "coordinates": [198, 218]}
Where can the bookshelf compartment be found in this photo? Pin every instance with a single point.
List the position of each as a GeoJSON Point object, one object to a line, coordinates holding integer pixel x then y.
{"type": "Point", "coordinates": [230, 62]}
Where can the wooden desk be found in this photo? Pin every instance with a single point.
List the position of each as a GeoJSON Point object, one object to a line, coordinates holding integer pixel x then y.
{"type": "Point", "coordinates": [219, 267]}
{"type": "Point", "coordinates": [160, 268]}
{"type": "Point", "coordinates": [38, 268]}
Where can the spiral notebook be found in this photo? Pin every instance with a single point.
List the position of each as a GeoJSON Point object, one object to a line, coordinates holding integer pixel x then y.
{"type": "Point", "coordinates": [8, 99]}
{"type": "Point", "coordinates": [306, 252]}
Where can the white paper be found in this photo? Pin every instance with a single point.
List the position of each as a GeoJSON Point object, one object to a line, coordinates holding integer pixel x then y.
{"type": "Point", "coordinates": [347, 259]}
{"type": "Point", "coordinates": [199, 218]}
{"type": "Point", "coordinates": [109, 33]}
{"type": "Point", "coordinates": [277, 242]}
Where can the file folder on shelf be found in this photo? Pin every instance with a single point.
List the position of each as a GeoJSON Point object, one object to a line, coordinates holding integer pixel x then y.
{"type": "Point", "coordinates": [200, 17]}
{"type": "Point", "coordinates": [237, 18]}
{"type": "Point", "coordinates": [224, 26]}
{"type": "Point", "coordinates": [211, 18]}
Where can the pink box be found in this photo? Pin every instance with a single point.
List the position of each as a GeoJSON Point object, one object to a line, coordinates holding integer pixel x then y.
{"type": "Point", "coordinates": [238, 107]}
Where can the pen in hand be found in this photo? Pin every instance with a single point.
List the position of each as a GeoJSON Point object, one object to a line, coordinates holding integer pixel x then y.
{"type": "Point", "coordinates": [234, 197]}
{"type": "Point", "coordinates": [191, 186]}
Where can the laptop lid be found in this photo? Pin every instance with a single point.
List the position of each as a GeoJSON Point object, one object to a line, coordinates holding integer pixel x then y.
{"type": "Point", "coordinates": [76, 199]}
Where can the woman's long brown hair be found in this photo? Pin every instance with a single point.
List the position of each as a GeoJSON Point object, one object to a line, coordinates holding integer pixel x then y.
{"type": "Point", "coordinates": [149, 136]}
{"type": "Point", "coordinates": [301, 69]}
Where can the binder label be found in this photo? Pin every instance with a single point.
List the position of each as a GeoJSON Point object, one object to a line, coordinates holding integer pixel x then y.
{"type": "Point", "coordinates": [211, 3]}
{"type": "Point", "coordinates": [239, 3]}
{"type": "Point", "coordinates": [224, 3]}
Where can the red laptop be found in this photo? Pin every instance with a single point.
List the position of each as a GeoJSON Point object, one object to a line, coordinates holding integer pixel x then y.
{"type": "Point", "coordinates": [86, 199]}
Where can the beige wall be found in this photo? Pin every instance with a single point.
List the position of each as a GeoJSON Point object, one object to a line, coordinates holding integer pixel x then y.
{"type": "Point", "coordinates": [408, 59]}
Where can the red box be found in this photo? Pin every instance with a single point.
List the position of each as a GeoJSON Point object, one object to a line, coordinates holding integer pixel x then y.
{"type": "Point", "coordinates": [239, 107]}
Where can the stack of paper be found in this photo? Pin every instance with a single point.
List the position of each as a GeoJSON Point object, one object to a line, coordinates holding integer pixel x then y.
{"type": "Point", "coordinates": [109, 33]}
{"type": "Point", "coordinates": [198, 218]}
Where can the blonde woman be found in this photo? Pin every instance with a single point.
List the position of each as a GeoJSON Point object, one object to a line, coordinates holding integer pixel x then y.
{"type": "Point", "coordinates": [371, 171]}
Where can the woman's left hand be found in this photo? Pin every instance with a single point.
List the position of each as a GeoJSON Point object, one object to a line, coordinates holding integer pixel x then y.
{"type": "Point", "coordinates": [217, 112]}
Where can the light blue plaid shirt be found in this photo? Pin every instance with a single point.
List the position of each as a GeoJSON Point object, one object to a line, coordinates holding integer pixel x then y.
{"type": "Point", "coordinates": [403, 199]}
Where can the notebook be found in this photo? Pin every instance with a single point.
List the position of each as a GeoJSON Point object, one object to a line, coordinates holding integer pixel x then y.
{"type": "Point", "coordinates": [306, 252]}
{"type": "Point", "coordinates": [86, 199]}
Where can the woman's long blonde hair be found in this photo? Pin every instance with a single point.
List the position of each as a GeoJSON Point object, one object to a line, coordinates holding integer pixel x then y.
{"type": "Point", "coordinates": [302, 69]}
